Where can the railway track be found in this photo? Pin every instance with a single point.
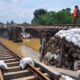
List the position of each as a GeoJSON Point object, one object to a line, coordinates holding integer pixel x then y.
{"type": "Point", "coordinates": [14, 71]}
{"type": "Point", "coordinates": [56, 26]}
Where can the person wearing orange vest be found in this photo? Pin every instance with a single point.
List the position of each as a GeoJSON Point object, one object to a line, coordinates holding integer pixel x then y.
{"type": "Point", "coordinates": [75, 14]}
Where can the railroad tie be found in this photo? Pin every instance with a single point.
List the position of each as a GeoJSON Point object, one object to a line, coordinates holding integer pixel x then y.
{"type": "Point", "coordinates": [33, 77]}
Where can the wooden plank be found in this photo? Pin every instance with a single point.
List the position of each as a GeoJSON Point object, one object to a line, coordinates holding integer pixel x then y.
{"type": "Point", "coordinates": [10, 59]}
{"type": "Point", "coordinates": [17, 62]}
{"type": "Point", "coordinates": [14, 73]}
{"type": "Point", "coordinates": [33, 77]}
{"type": "Point", "coordinates": [14, 67]}
{"type": "Point", "coordinates": [5, 55]}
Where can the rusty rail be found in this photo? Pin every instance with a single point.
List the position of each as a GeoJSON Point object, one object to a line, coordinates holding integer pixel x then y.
{"type": "Point", "coordinates": [1, 76]}
{"type": "Point", "coordinates": [38, 73]}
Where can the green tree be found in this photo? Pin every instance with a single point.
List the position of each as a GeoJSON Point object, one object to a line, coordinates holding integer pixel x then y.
{"type": "Point", "coordinates": [42, 17]}
{"type": "Point", "coordinates": [48, 19]}
{"type": "Point", "coordinates": [37, 14]}
{"type": "Point", "coordinates": [12, 22]}
{"type": "Point", "coordinates": [24, 24]}
{"type": "Point", "coordinates": [63, 17]}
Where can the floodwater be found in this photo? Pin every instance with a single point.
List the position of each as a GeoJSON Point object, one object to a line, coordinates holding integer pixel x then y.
{"type": "Point", "coordinates": [29, 52]}
{"type": "Point", "coordinates": [27, 48]}
{"type": "Point", "coordinates": [33, 43]}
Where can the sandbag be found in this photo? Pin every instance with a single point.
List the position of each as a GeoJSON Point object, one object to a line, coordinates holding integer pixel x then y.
{"type": "Point", "coordinates": [72, 35]}
{"type": "Point", "coordinates": [3, 65]}
{"type": "Point", "coordinates": [25, 61]}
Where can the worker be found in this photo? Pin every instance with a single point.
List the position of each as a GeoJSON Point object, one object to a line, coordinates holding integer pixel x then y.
{"type": "Point", "coordinates": [75, 14]}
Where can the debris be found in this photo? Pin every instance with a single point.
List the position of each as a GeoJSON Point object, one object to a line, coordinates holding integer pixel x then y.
{"type": "Point", "coordinates": [26, 35]}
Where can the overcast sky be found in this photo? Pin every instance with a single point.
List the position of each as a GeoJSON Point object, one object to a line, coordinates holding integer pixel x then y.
{"type": "Point", "coordinates": [22, 10]}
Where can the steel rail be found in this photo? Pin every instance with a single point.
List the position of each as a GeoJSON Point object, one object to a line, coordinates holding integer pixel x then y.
{"type": "Point", "coordinates": [38, 73]}
{"type": "Point", "coordinates": [1, 75]}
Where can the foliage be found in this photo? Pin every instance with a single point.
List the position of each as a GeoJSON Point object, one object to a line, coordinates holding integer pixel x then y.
{"type": "Point", "coordinates": [37, 16]}
{"type": "Point", "coordinates": [43, 17]}
{"type": "Point", "coordinates": [24, 24]}
{"type": "Point", "coordinates": [12, 22]}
